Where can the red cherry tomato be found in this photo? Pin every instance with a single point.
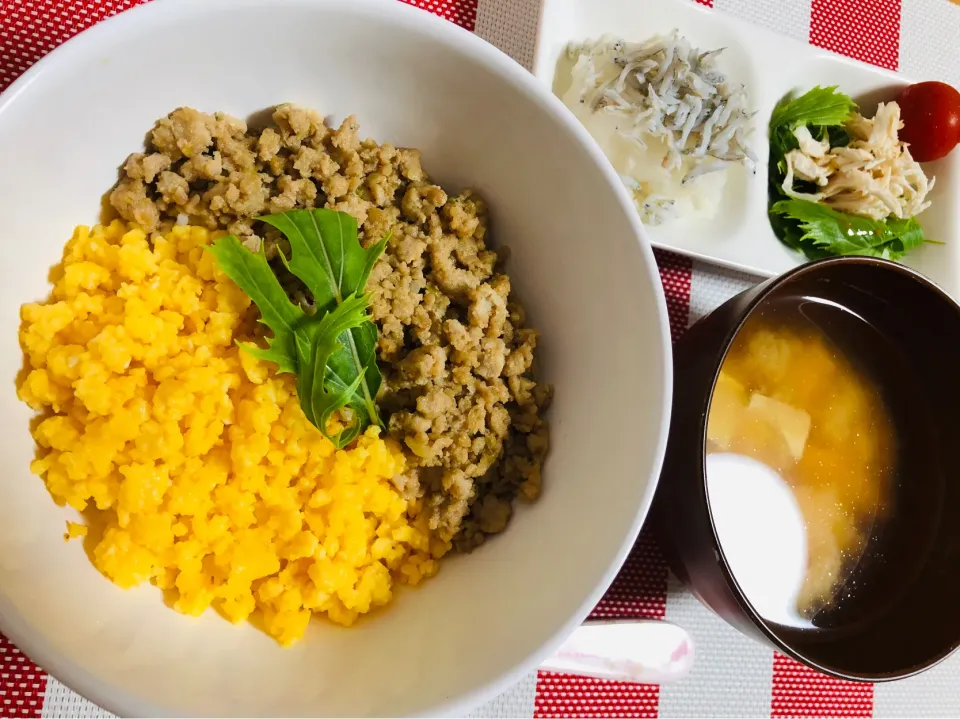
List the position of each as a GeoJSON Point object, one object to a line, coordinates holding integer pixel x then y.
{"type": "Point", "coordinates": [931, 119]}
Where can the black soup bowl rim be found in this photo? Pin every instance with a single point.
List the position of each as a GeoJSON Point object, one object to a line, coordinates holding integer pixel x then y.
{"type": "Point", "coordinates": [770, 286]}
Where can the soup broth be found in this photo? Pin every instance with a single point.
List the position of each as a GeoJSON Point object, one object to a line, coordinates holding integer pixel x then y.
{"type": "Point", "coordinates": [793, 395]}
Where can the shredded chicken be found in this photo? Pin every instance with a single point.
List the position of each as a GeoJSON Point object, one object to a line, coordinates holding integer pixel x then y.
{"type": "Point", "coordinates": [873, 176]}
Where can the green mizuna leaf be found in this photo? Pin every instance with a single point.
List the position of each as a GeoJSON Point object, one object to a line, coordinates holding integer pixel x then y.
{"type": "Point", "coordinates": [332, 352]}
{"type": "Point", "coordinates": [325, 253]}
{"type": "Point", "coordinates": [823, 231]}
{"type": "Point", "coordinates": [358, 355]}
{"type": "Point", "coordinates": [908, 232]}
{"type": "Point", "coordinates": [252, 274]}
{"type": "Point", "coordinates": [819, 106]}
{"type": "Point", "coordinates": [319, 397]}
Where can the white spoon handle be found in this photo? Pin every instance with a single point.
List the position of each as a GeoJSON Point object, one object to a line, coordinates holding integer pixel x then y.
{"type": "Point", "coordinates": [633, 650]}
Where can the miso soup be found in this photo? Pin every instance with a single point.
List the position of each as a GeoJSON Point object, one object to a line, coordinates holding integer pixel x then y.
{"type": "Point", "coordinates": [794, 396]}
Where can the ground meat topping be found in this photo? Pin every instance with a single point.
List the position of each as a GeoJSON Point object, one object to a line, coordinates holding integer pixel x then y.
{"type": "Point", "coordinates": [457, 361]}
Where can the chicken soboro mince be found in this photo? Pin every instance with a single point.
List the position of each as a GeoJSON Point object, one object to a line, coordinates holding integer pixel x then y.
{"type": "Point", "coordinates": [457, 360]}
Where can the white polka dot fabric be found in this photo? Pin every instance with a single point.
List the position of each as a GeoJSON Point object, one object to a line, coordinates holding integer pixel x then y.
{"type": "Point", "coordinates": [725, 659]}
{"type": "Point", "coordinates": [59, 701]}
{"type": "Point", "coordinates": [787, 17]}
{"type": "Point", "coordinates": [712, 286]}
{"type": "Point", "coordinates": [929, 45]}
{"type": "Point", "coordinates": [509, 24]}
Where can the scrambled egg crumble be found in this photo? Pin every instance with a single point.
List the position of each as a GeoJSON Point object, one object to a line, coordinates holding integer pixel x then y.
{"type": "Point", "coordinates": [191, 460]}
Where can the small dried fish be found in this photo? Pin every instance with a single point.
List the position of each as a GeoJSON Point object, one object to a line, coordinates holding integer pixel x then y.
{"type": "Point", "coordinates": [669, 89]}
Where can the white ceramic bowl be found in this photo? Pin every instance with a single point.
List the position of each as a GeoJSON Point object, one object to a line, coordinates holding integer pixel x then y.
{"type": "Point", "coordinates": [580, 262]}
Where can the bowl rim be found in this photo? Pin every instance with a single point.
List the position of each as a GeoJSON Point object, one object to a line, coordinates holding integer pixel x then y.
{"type": "Point", "coordinates": [762, 293]}
{"type": "Point", "coordinates": [459, 40]}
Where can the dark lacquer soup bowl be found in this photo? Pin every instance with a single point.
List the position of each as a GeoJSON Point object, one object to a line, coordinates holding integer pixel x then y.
{"type": "Point", "coordinates": [841, 381]}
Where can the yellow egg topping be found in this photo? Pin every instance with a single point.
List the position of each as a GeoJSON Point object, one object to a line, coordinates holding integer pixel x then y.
{"type": "Point", "coordinates": [191, 460]}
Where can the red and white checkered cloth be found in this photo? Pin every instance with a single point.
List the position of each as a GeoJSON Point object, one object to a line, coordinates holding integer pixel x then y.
{"type": "Point", "coordinates": [733, 676]}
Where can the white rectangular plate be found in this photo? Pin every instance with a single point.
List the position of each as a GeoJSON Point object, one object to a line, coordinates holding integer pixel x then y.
{"type": "Point", "coordinates": [770, 66]}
